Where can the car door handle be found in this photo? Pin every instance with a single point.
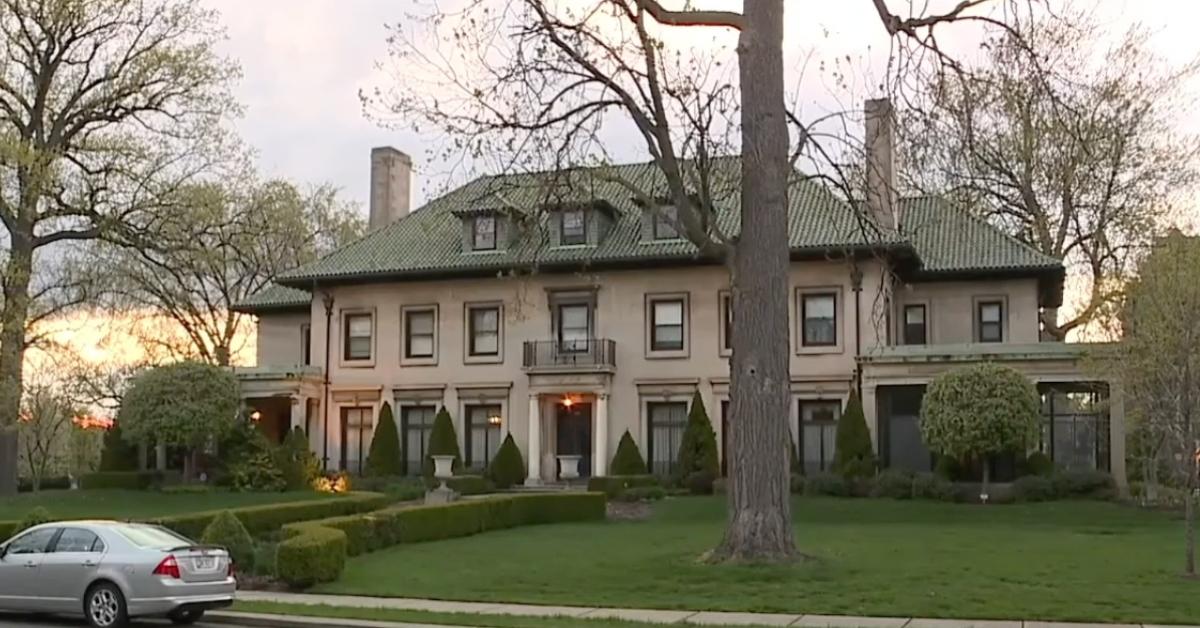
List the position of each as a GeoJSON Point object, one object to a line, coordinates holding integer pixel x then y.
{"type": "Point", "coordinates": [31, 565]}
{"type": "Point", "coordinates": [90, 563]}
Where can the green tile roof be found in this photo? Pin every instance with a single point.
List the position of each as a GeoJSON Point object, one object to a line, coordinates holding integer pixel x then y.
{"type": "Point", "coordinates": [429, 241]}
{"type": "Point", "coordinates": [275, 297]}
{"type": "Point", "coordinates": [948, 239]}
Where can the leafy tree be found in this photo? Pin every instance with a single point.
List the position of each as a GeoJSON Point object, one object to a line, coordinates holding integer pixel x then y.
{"type": "Point", "coordinates": [228, 531]}
{"type": "Point", "coordinates": [233, 238]}
{"type": "Point", "coordinates": [698, 445]}
{"type": "Point", "coordinates": [35, 517]}
{"type": "Point", "coordinates": [508, 468]}
{"type": "Point", "coordinates": [443, 441]}
{"type": "Point", "coordinates": [188, 404]}
{"type": "Point", "coordinates": [1073, 150]}
{"type": "Point", "coordinates": [628, 460]}
{"type": "Point", "coordinates": [106, 107]}
{"type": "Point", "coordinates": [978, 411]}
{"type": "Point", "coordinates": [383, 459]}
{"type": "Point", "coordinates": [854, 456]}
{"type": "Point", "coordinates": [1158, 365]}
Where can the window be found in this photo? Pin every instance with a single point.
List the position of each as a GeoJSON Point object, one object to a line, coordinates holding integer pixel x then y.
{"type": "Point", "coordinates": [1075, 426]}
{"type": "Point", "coordinates": [819, 315]}
{"type": "Point", "coordinates": [666, 217]}
{"type": "Point", "coordinates": [357, 345]}
{"type": "Point", "coordinates": [666, 324]}
{"type": "Point", "coordinates": [306, 345]}
{"type": "Point", "coordinates": [483, 435]}
{"type": "Point", "coordinates": [667, 421]}
{"type": "Point", "coordinates": [991, 321]}
{"type": "Point", "coordinates": [483, 233]}
{"type": "Point", "coordinates": [32, 542]}
{"type": "Point", "coordinates": [818, 434]}
{"type": "Point", "coordinates": [419, 336]}
{"type": "Point", "coordinates": [574, 227]}
{"type": "Point", "coordinates": [78, 540]}
{"type": "Point", "coordinates": [356, 438]}
{"type": "Point", "coordinates": [415, 424]}
{"type": "Point", "coordinates": [484, 331]}
{"type": "Point", "coordinates": [726, 323]}
{"type": "Point", "coordinates": [574, 327]}
{"type": "Point", "coordinates": [915, 325]}
{"type": "Point", "coordinates": [150, 536]}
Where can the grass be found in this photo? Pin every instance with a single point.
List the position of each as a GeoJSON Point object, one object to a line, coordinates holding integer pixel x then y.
{"type": "Point", "coordinates": [1069, 561]}
{"type": "Point", "coordinates": [125, 504]}
{"type": "Point", "coordinates": [445, 619]}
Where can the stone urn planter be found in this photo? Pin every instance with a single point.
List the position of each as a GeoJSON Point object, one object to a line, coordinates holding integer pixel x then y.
{"type": "Point", "coordinates": [568, 467]}
{"type": "Point", "coordinates": [443, 469]}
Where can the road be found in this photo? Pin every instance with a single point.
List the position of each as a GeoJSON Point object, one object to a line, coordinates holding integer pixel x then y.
{"type": "Point", "coordinates": [25, 621]}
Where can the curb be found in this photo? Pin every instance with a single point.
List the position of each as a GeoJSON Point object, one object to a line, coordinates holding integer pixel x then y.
{"type": "Point", "coordinates": [289, 621]}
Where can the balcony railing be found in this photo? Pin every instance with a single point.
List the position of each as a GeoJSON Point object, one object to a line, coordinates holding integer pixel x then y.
{"type": "Point", "coordinates": [590, 354]}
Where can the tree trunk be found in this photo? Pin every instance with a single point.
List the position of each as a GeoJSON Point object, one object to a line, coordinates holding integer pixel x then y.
{"type": "Point", "coordinates": [760, 524]}
{"type": "Point", "coordinates": [12, 346]}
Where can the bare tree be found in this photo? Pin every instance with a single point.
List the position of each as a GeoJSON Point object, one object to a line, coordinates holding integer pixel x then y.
{"type": "Point", "coordinates": [1158, 363]}
{"type": "Point", "coordinates": [234, 237]}
{"type": "Point", "coordinates": [1075, 149]}
{"type": "Point", "coordinates": [45, 430]}
{"type": "Point", "coordinates": [538, 85]}
{"type": "Point", "coordinates": [105, 107]}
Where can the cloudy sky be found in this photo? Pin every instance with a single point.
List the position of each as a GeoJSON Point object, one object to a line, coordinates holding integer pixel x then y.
{"type": "Point", "coordinates": [304, 62]}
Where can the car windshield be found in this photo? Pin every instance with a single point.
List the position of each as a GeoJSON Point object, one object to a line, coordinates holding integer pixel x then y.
{"type": "Point", "coordinates": [151, 537]}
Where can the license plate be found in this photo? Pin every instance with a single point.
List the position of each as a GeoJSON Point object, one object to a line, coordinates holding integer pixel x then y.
{"type": "Point", "coordinates": [205, 563]}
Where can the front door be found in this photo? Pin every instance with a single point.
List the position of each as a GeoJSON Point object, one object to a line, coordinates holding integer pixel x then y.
{"type": "Point", "coordinates": [575, 435]}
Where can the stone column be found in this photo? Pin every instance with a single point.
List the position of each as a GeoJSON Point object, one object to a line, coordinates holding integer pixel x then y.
{"type": "Point", "coordinates": [600, 444]}
{"type": "Point", "coordinates": [299, 410]}
{"type": "Point", "coordinates": [533, 456]}
{"type": "Point", "coordinates": [160, 456]}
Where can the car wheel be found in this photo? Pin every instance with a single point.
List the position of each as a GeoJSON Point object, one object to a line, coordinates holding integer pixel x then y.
{"type": "Point", "coordinates": [185, 618]}
{"type": "Point", "coordinates": [104, 606]}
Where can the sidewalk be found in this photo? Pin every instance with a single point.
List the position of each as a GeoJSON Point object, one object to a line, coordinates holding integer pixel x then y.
{"type": "Point", "coordinates": [651, 616]}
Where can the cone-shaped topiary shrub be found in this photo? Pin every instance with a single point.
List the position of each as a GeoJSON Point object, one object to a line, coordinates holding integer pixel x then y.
{"type": "Point", "coordinates": [228, 532]}
{"type": "Point", "coordinates": [698, 446]}
{"type": "Point", "coordinates": [853, 455]}
{"type": "Point", "coordinates": [508, 468]}
{"type": "Point", "coordinates": [443, 441]}
{"type": "Point", "coordinates": [628, 459]}
{"type": "Point", "coordinates": [384, 457]}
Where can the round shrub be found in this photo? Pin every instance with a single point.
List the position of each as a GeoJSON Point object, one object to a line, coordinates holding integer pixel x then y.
{"type": "Point", "coordinates": [935, 487]}
{"type": "Point", "coordinates": [508, 468]}
{"type": "Point", "coordinates": [700, 482]}
{"type": "Point", "coordinates": [317, 555]}
{"type": "Point", "coordinates": [383, 459]}
{"type": "Point", "coordinates": [1038, 463]}
{"type": "Point", "coordinates": [893, 483]}
{"type": "Point", "coordinates": [35, 517]}
{"type": "Point", "coordinates": [628, 460]}
{"type": "Point", "coordinates": [830, 484]}
{"type": "Point", "coordinates": [853, 457]}
{"type": "Point", "coordinates": [227, 531]}
{"type": "Point", "coordinates": [1033, 488]}
{"type": "Point", "coordinates": [978, 411]}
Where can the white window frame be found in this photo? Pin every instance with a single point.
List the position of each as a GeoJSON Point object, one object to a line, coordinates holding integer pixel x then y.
{"type": "Point", "coordinates": [839, 320]}
{"type": "Point", "coordinates": [344, 317]}
{"type": "Point", "coordinates": [468, 332]}
{"type": "Point", "coordinates": [405, 358]}
{"type": "Point", "coordinates": [685, 349]}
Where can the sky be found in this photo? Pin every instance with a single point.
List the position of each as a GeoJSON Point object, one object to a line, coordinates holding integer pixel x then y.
{"type": "Point", "coordinates": [304, 62]}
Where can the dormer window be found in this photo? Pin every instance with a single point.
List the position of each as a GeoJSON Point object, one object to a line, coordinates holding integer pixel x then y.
{"type": "Point", "coordinates": [573, 227]}
{"type": "Point", "coordinates": [666, 219]}
{"type": "Point", "coordinates": [483, 233]}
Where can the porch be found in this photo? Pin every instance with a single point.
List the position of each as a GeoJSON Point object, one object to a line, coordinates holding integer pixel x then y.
{"type": "Point", "coordinates": [568, 416]}
{"type": "Point", "coordinates": [281, 398]}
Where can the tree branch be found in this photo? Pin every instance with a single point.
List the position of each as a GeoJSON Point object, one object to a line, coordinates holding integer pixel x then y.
{"type": "Point", "coordinates": [724, 19]}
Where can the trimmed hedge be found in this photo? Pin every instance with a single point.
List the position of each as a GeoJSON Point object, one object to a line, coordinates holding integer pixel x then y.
{"type": "Point", "coordinates": [1033, 488]}
{"type": "Point", "coordinates": [52, 483]}
{"type": "Point", "coordinates": [270, 517]}
{"type": "Point", "coordinates": [318, 555]}
{"type": "Point", "coordinates": [7, 529]}
{"type": "Point", "coordinates": [614, 485]}
{"type": "Point", "coordinates": [830, 484]}
{"type": "Point", "coordinates": [372, 531]}
{"type": "Point", "coordinates": [893, 483]}
{"type": "Point", "coordinates": [468, 484]}
{"type": "Point", "coordinates": [128, 480]}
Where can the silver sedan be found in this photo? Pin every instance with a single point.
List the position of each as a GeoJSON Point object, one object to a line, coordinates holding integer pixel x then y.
{"type": "Point", "coordinates": [110, 571]}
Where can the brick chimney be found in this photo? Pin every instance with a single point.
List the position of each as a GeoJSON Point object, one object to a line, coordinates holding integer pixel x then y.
{"type": "Point", "coordinates": [391, 185]}
{"type": "Point", "coordinates": [880, 146]}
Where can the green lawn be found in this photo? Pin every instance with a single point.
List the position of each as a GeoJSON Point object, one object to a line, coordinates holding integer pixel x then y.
{"type": "Point", "coordinates": [1086, 561]}
{"type": "Point", "coordinates": [123, 504]}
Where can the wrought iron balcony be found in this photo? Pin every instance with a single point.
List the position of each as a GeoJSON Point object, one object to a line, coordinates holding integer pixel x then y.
{"type": "Point", "coordinates": [592, 354]}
